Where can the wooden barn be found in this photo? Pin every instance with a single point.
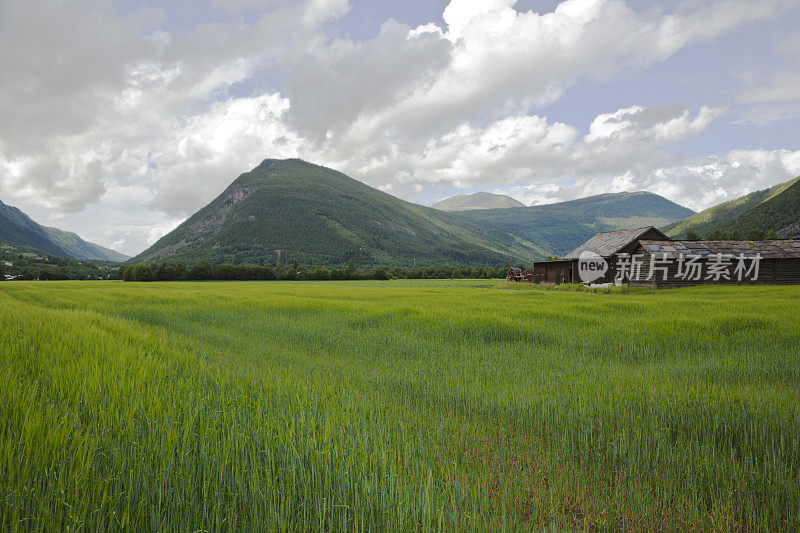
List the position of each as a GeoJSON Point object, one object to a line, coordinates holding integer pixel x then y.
{"type": "Point", "coordinates": [606, 245]}
{"type": "Point", "coordinates": [661, 264]}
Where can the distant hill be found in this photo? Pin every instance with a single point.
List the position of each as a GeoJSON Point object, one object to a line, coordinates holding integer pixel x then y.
{"type": "Point", "coordinates": [19, 231]}
{"type": "Point", "coordinates": [479, 200]}
{"type": "Point", "coordinates": [776, 208]}
{"type": "Point", "coordinates": [318, 216]}
{"type": "Point", "coordinates": [560, 228]}
{"type": "Point", "coordinates": [81, 249]}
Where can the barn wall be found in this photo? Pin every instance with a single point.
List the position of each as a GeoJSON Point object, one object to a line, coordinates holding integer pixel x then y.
{"type": "Point", "coordinates": [771, 272]}
{"type": "Point", "coordinates": [555, 272]}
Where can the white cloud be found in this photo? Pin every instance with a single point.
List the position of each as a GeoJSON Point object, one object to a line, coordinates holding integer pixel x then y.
{"type": "Point", "coordinates": [526, 152]}
{"type": "Point", "coordinates": [424, 29]}
{"type": "Point", "coordinates": [660, 125]}
{"type": "Point", "coordinates": [236, 6]}
{"type": "Point", "coordinates": [771, 93]}
{"type": "Point", "coordinates": [710, 20]}
{"type": "Point", "coordinates": [499, 63]}
{"type": "Point", "coordinates": [319, 11]}
{"type": "Point", "coordinates": [459, 14]}
{"type": "Point", "coordinates": [697, 184]}
{"type": "Point", "coordinates": [208, 151]}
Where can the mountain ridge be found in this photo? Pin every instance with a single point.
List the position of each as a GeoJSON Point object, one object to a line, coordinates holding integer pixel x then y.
{"type": "Point", "coordinates": [478, 200]}
{"type": "Point", "coordinates": [776, 208]}
{"type": "Point", "coordinates": [19, 230]}
{"type": "Point", "coordinates": [563, 226]}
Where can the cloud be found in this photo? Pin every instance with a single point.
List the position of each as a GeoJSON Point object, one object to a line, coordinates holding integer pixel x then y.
{"type": "Point", "coordinates": [532, 150]}
{"type": "Point", "coordinates": [237, 6]}
{"type": "Point", "coordinates": [676, 31]}
{"type": "Point", "coordinates": [666, 124]}
{"type": "Point", "coordinates": [62, 62]}
{"type": "Point", "coordinates": [320, 11]}
{"type": "Point", "coordinates": [697, 183]}
{"type": "Point", "coordinates": [90, 96]}
{"type": "Point", "coordinates": [359, 80]}
{"type": "Point", "coordinates": [772, 92]}
{"type": "Point", "coordinates": [209, 151]}
{"type": "Point", "coordinates": [490, 62]}
{"type": "Point", "coordinates": [538, 162]}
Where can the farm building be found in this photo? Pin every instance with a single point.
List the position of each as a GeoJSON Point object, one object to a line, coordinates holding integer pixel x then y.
{"type": "Point", "coordinates": [645, 257]}
{"type": "Point", "coordinates": [662, 264]}
{"type": "Point", "coordinates": [554, 271]}
{"type": "Point", "coordinates": [606, 245]}
{"type": "Point", "coordinates": [610, 244]}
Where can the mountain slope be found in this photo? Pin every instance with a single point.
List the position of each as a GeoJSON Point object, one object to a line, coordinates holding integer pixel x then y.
{"type": "Point", "coordinates": [479, 200]}
{"type": "Point", "coordinates": [559, 228]}
{"type": "Point", "coordinates": [78, 248]}
{"type": "Point", "coordinates": [19, 231]}
{"type": "Point", "coordinates": [317, 216]}
{"type": "Point", "coordinates": [776, 208]}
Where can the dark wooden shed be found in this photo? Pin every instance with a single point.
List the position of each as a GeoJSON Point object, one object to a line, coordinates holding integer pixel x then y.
{"type": "Point", "coordinates": [607, 245]}
{"type": "Point", "coordinates": [555, 271]}
{"type": "Point", "coordinates": [684, 263]}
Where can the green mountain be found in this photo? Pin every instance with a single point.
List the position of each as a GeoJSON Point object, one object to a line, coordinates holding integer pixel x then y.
{"type": "Point", "coordinates": [297, 211]}
{"type": "Point", "coordinates": [560, 228]}
{"type": "Point", "coordinates": [20, 232]}
{"type": "Point", "coordinates": [80, 249]}
{"type": "Point", "coordinates": [776, 208]}
{"type": "Point", "coordinates": [479, 200]}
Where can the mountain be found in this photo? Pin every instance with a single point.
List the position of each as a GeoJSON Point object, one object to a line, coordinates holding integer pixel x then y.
{"type": "Point", "coordinates": [776, 208]}
{"type": "Point", "coordinates": [560, 228]}
{"type": "Point", "coordinates": [291, 210]}
{"type": "Point", "coordinates": [479, 200]}
{"type": "Point", "coordinates": [19, 231]}
{"type": "Point", "coordinates": [297, 211]}
{"type": "Point", "coordinates": [78, 248]}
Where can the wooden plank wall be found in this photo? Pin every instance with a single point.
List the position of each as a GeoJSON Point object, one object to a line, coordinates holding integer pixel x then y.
{"type": "Point", "coordinates": [771, 272]}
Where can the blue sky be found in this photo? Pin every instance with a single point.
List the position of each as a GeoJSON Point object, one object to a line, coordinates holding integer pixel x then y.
{"type": "Point", "coordinates": [123, 118]}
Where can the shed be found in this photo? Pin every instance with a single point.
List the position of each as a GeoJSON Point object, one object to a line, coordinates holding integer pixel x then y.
{"type": "Point", "coordinates": [555, 271]}
{"type": "Point", "coordinates": [661, 264]}
{"type": "Point", "coordinates": [609, 244]}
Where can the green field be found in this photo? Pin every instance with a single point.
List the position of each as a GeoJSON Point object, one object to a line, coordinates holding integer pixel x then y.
{"type": "Point", "coordinates": [397, 405]}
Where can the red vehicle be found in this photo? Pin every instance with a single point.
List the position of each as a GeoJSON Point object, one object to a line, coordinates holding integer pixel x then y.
{"type": "Point", "coordinates": [514, 274]}
{"type": "Point", "coordinates": [518, 275]}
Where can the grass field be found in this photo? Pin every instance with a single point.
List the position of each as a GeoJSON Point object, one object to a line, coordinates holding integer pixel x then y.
{"type": "Point", "coordinates": [397, 405]}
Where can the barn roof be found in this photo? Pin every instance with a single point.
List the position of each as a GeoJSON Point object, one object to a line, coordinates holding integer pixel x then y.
{"type": "Point", "coordinates": [778, 249]}
{"type": "Point", "coordinates": [610, 242]}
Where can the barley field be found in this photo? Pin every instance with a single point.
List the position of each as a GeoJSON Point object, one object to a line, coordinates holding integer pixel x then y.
{"type": "Point", "coordinates": [351, 406]}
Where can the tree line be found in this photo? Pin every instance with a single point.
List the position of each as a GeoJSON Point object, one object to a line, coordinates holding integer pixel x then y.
{"type": "Point", "coordinates": [225, 272]}
{"type": "Point", "coordinates": [27, 266]}
{"type": "Point", "coordinates": [718, 235]}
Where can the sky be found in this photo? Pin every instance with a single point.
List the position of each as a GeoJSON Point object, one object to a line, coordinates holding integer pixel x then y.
{"type": "Point", "coordinates": [119, 119]}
